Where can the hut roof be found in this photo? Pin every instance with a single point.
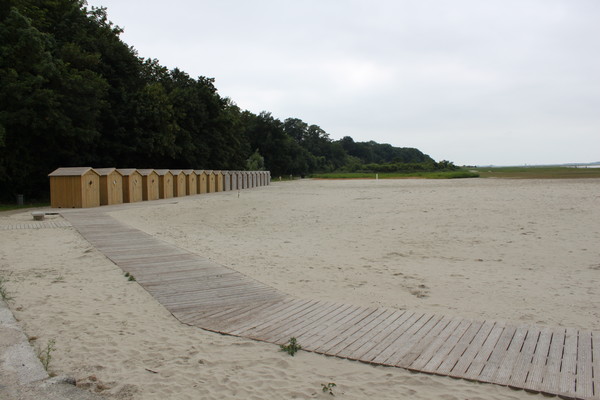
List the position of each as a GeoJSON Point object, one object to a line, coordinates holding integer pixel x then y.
{"type": "Point", "coordinates": [105, 171]}
{"type": "Point", "coordinates": [163, 172]}
{"type": "Point", "coordinates": [176, 171]}
{"type": "Point", "coordinates": [188, 171]}
{"type": "Point", "coordinates": [126, 171]}
{"type": "Point", "coordinates": [71, 171]}
{"type": "Point", "coordinates": [146, 172]}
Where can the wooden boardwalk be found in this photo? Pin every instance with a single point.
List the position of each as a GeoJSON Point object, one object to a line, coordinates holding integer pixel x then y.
{"type": "Point", "coordinates": [551, 360]}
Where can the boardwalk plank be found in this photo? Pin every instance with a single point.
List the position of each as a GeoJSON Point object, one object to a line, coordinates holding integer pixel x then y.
{"type": "Point", "coordinates": [434, 348]}
{"type": "Point", "coordinates": [540, 357]}
{"type": "Point", "coordinates": [454, 355]}
{"type": "Point", "coordinates": [584, 379]}
{"type": "Point", "coordinates": [319, 325]}
{"type": "Point", "coordinates": [596, 362]}
{"type": "Point", "coordinates": [368, 330]}
{"type": "Point", "coordinates": [551, 375]}
{"type": "Point", "coordinates": [523, 364]}
{"type": "Point", "coordinates": [277, 314]}
{"type": "Point", "coordinates": [412, 339]}
{"type": "Point", "coordinates": [511, 354]}
{"type": "Point", "coordinates": [401, 324]}
{"type": "Point", "coordinates": [408, 339]}
{"type": "Point", "coordinates": [271, 308]}
{"type": "Point", "coordinates": [285, 319]}
{"type": "Point", "coordinates": [424, 343]}
{"type": "Point", "coordinates": [569, 362]}
{"type": "Point", "coordinates": [496, 356]}
{"type": "Point", "coordinates": [283, 333]}
{"type": "Point", "coordinates": [346, 321]}
{"type": "Point", "coordinates": [338, 342]}
{"type": "Point", "coordinates": [362, 345]}
{"type": "Point", "coordinates": [470, 352]}
{"type": "Point", "coordinates": [447, 346]}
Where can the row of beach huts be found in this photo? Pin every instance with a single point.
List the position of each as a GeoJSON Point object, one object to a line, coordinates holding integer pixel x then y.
{"type": "Point", "coordinates": [82, 187]}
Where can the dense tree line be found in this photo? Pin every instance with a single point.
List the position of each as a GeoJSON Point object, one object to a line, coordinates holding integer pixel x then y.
{"type": "Point", "coordinates": [73, 93]}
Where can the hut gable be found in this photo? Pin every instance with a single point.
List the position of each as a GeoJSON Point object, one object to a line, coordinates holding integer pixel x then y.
{"type": "Point", "coordinates": [74, 187]}
{"type": "Point", "coordinates": [70, 171]}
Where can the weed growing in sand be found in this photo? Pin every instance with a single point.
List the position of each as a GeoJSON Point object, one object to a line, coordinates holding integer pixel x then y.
{"type": "Point", "coordinates": [3, 292]}
{"type": "Point", "coordinates": [129, 277]}
{"type": "Point", "coordinates": [328, 388]}
{"type": "Point", "coordinates": [292, 347]}
{"type": "Point", "coordinates": [45, 354]}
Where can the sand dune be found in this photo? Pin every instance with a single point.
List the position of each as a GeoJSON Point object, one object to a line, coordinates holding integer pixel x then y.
{"type": "Point", "coordinates": [485, 249]}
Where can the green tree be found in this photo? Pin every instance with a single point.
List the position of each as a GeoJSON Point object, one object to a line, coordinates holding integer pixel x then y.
{"type": "Point", "coordinates": [255, 162]}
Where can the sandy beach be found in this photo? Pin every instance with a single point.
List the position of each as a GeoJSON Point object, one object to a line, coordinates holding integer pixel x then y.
{"type": "Point", "coordinates": [515, 250]}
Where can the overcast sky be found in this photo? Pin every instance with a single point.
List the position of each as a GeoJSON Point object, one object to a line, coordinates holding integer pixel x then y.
{"type": "Point", "coordinates": [505, 82]}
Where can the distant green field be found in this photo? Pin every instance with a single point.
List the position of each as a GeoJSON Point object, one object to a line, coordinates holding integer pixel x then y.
{"type": "Point", "coordinates": [8, 207]}
{"type": "Point", "coordinates": [398, 175]}
{"type": "Point", "coordinates": [537, 172]}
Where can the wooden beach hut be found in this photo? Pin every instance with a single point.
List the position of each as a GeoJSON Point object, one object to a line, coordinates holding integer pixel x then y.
{"type": "Point", "coordinates": [178, 183]}
{"type": "Point", "coordinates": [219, 184]}
{"type": "Point", "coordinates": [261, 178]}
{"type": "Point", "coordinates": [233, 176]}
{"type": "Point", "coordinates": [245, 176]}
{"type": "Point", "coordinates": [150, 184]}
{"type": "Point", "coordinates": [111, 186]}
{"type": "Point", "coordinates": [75, 187]}
{"type": "Point", "coordinates": [165, 183]}
{"type": "Point", "coordinates": [212, 184]}
{"type": "Point", "coordinates": [132, 185]}
{"type": "Point", "coordinates": [191, 182]}
{"type": "Point", "coordinates": [202, 181]}
{"type": "Point", "coordinates": [240, 179]}
{"type": "Point", "coordinates": [226, 181]}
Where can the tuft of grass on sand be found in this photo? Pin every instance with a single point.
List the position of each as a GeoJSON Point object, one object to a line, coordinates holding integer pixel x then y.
{"type": "Point", "coordinates": [538, 172]}
{"type": "Point", "coordinates": [291, 348]}
{"type": "Point", "coordinates": [4, 295]}
{"type": "Point", "coordinates": [45, 354]}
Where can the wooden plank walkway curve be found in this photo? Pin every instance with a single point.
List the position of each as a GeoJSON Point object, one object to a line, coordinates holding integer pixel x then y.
{"type": "Point", "coordinates": [550, 360]}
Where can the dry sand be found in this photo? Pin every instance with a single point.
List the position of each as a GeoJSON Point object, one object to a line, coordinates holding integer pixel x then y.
{"type": "Point", "coordinates": [487, 249]}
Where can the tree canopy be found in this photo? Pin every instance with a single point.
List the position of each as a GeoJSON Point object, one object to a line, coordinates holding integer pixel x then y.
{"type": "Point", "coordinates": [73, 94]}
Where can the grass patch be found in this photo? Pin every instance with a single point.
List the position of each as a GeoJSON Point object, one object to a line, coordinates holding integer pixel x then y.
{"type": "Point", "coordinates": [45, 354]}
{"type": "Point", "coordinates": [4, 295]}
{"type": "Point", "coordinates": [9, 207]}
{"type": "Point", "coordinates": [291, 348]}
{"type": "Point", "coordinates": [398, 175]}
{"type": "Point", "coordinates": [538, 172]}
